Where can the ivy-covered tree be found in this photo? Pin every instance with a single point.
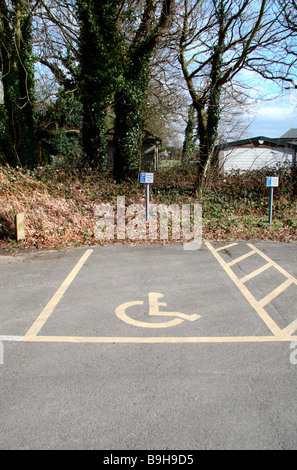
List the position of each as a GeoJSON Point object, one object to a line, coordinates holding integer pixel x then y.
{"type": "Point", "coordinates": [101, 55]}
{"type": "Point", "coordinates": [59, 130]}
{"type": "Point", "coordinates": [18, 142]}
{"type": "Point", "coordinates": [130, 100]}
{"type": "Point", "coordinates": [189, 150]}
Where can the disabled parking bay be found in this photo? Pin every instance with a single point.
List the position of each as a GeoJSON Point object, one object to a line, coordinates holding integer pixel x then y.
{"type": "Point", "coordinates": [221, 319]}
{"type": "Point", "coordinates": [233, 292]}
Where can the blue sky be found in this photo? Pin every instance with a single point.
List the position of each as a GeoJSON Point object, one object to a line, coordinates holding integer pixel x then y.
{"type": "Point", "coordinates": [275, 114]}
{"type": "Point", "coordinates": [273, 119]}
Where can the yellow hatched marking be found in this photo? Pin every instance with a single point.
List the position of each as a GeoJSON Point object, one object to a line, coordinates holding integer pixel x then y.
{"type": "Point", "coordinates": [268, 298]}
{"type": "Point", "coordinates": [259, 306]}
{"type": "Point", "coordinates": [240, 258]}
{"type": "Point", "coordinates": [258, 271]}
{"type": "Point", "coordinates": [226, 246]}
{"type": "Point", "coordinates": [270, 323]}
{"type": "Point", "coordinates": [273, 263]}
{"type": "Point", "coordinates": [291, 328]}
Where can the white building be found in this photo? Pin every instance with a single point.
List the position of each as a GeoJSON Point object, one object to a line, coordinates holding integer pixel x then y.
{"type": "Point", "coordinates": [258, 152]}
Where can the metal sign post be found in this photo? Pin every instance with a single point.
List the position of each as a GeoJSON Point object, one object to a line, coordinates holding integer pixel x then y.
{"type": "Point", "coordinates": [147, 178]}
{"type": "Point", "coordinates": [271, 182]}
{"type": "Point", "coordinates": [270, 204]}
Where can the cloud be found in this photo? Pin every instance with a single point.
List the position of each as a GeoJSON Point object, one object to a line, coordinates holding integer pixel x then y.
{"type": "Point", "coordinates": [274, 115]}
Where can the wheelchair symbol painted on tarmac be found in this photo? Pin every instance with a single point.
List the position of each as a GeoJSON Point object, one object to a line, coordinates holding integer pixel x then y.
{"type": "Point", "coordinates": [154, 305]}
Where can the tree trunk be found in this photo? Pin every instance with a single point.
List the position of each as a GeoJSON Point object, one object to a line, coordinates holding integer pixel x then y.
{"type": "Point", "coordinates": [100, 65]}
{"type": "Point", "coordinates": [131, 99]}
{"type": "Point", "coordinates": [18, 85]}
{"type": "Point", "coordinates": [188, 151]}
{"type": "Point", "coordinates": [129, 111]}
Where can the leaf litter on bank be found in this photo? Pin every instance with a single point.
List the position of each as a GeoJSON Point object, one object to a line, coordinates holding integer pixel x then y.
{"type": "Point", "coordinates": [59, 209]}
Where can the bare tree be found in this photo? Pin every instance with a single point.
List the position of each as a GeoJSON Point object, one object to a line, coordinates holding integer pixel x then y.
{"type": "Point", "coordinates": [288, 18]}
{"type": "Point", "coordinates": [56, 41]}
{"type": "Point", "coordinates": [167, 98]}
{"type": "Point", "coordinates": [219, 39]}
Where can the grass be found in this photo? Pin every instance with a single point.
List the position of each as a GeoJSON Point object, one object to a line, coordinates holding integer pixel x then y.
{"type": "Point", "coordinates": [59, 205]}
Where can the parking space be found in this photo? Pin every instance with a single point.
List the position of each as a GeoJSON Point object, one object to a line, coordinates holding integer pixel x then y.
{"type": "Point", "coordinates": [220, 293]}
{"type": "Point", "coordinates": [149, 347]}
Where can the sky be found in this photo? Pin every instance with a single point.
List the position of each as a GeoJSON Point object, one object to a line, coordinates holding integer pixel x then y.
{"type": "Point", "coordinates": [273, 119]}
{"type": "Point", "coordinates": [272, 112]}
{"type": "Point", "coordinates": [273, 115]}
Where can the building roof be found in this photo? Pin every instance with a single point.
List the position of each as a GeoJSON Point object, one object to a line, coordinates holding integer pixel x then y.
{"type": "Point", "coordinates": [290, 134]}
{"type": "Point", "coordinates": [259, 140]}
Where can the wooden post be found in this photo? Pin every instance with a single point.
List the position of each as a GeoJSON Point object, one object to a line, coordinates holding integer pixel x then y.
{"type": "Point", "coordinates": [19, 227]}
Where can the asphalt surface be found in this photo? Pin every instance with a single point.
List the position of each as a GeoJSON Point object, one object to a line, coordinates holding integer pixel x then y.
{"type": "Point", "coordinates": [90, 360]}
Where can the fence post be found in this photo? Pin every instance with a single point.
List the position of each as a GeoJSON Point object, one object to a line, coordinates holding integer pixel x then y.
{"type": "Point", "coordinates": [19, 227]}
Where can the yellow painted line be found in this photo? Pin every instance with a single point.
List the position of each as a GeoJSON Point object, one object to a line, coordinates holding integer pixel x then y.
{"type": "Point", "coordinates": [270, 323]}
{"type": "Point", "coordinates": [46, 312]}
{"type": "Point", "coordinates": [255, 273]}
{"type": "Point", "coordinates": [291, 328]}
{"type": "Point", "coordinates": [226, 247]}
{"type": "Point", "coordinates": [241, 258]}
{"type": "Point", "coordinates": [272, 295]}
{"type": "Point", "coordinates": [285, 335]}
{"type": "Point", "coordinates": [273, 263]}
{"type": "Point", "coordinates": [161, 339]}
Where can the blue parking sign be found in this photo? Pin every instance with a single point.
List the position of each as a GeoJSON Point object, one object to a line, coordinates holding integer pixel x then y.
{"type": "Point", "coordinates": [272, 181]}
{"type": "Point", "coordinates": [147, 178]}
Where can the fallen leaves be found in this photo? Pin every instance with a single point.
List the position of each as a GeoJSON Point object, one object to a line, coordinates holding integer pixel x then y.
{"type": "Point", "coordinates": [59, 209]}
